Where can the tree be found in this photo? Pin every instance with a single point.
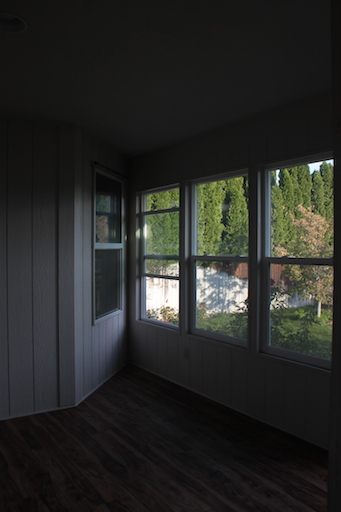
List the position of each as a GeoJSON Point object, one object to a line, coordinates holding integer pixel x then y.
{"type": "Point", "coordinates": [305, 184]}
{"type": "Point", "coordinates": [162, 228]}
{"type": "Point", "coordinates": [279, 228]}
{"type": "Point", "coordinates": [327, 174]}
{"type": "Point", "coordinates": [312, 239]}
{"type": "Point", "coordinates": [286, 184]}
{"type": "Point", "coordinates": [317, 194]}
{"type": "Point", "coordinates": [235, 237]}
{"type": "Point", "coordinates": [210, 198]}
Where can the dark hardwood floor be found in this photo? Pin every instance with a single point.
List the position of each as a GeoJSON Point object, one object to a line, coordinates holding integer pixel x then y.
{"type": "Point", "coordinates": [140, 443]}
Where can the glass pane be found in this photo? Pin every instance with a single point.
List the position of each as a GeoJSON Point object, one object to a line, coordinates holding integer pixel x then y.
{"type": "Point", "coordinates": [108, 210]}
{"type": "Point", "coordinates": [301, 309]}
{"type": "Point", "coordinates": [163, 200]}
{"type": "Point", "coordinates": [222, 217]}
{"type": "Point", "coordinates": [222, 298]}
{"type": "Point", "coordinates": [162, 299]}
{"type": "Point", "coordinates": [162, 233]}
{"type": "Point", "coordinates": [162, 267]}
{"type": "Point", "coordinates": [302, 210]}
{"type": "Point", "coordinates": [107, 281]}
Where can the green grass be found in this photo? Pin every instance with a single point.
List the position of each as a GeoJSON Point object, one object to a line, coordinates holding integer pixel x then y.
{"type": "Point", "coordinates": [299, 330]}
{"type": "Point", "coordinates": [294, 329]}
{"type": "Point", "coordinates": [228, 324]}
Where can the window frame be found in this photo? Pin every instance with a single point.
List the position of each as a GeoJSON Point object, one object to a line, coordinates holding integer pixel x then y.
{"type": "Point", "coordinates": [194, 258]}
{"type": "Point", "coordinates": [264, 236]}
{"type": "Point", "coordinates": [258, 260]}
{"type": "Point", "coordinates": [143, 214]}
{"type": "Point", "coordinates": [110, 246]}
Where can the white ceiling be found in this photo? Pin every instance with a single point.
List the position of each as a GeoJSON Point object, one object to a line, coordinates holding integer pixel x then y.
{"type": "Point", "coordinates": [143, 74]}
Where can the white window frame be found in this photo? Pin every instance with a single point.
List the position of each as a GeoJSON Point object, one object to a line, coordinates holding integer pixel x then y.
{"type": "Point", "coordinates": [194, 257]}
{"type": "Point", "coordinates": [266, 260]}
{"type": "Point", "coordinates": [143, 256]}
{"type": "Point", "coordinates": [99, 169]}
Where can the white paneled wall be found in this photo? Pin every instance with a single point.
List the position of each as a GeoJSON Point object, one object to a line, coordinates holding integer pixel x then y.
{"type": "Point", "coordinates": [51, 355]}
{"type": "Point", "coordinates": [292, 397]}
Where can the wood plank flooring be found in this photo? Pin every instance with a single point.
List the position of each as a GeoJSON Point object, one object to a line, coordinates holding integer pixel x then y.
{"type": "Point", "coordinates": [142, 444]}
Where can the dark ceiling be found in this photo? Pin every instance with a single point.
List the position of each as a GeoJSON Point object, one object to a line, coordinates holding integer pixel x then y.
{"type": "Point", "coordinates": [143, 74]}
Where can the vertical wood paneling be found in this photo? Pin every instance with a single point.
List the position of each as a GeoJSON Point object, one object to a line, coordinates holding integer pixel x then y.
{"type": "Point", "coordinates": [239, 380]}
{"type": "Point", "coordinates": [141, 346]}
{"type": "Point", "coordinates": [122, 340]}
{"type": "Point", "coordinates": [78, 266]}
{"type": "Point", "coordinates": [66, 266]}
{"type": "Point", "coordinates": [274, 393]}
{"type": "Point", "coordinates": [44, 268]}
{"type": "Point", "coordinates": [21, 370]}
{"type": "Point", "coordinates": [103, 360]}
{"type": "Point", "coordinates": [295, 400]}
{"type": "Point", "coordinates": [151, 349]}
{"type": "Point", "coordinates": [95, 351]}
{"type": "Point", "coordinates": [256, 387]}
{"type": "Point", "coordinates": [317, 408]}
{"type": "Point", "coordinates": [4, 390]}
{"type": "Point", "coordinates": [87, 263]}
{"type": "Point", "coordinates": [172, 355]}
{"type": "Point", "coordinates": [209, 370]}
{"type": "Point", "coordinates": [95, 331]}
{"type": "Point", "coordinates": [196, 365]}
{"type": "Point", "coordinates": [161, 353]}
{"type": "Point", "coordinates": [224, 375]}
{"type": "Point", "coordinates": [115, 344]}
{"type": "Point", "coordinates": [183, 362]}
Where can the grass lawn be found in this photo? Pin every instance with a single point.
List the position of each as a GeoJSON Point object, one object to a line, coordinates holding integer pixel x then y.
{"type": "Point", "coordinates": [294, 329]}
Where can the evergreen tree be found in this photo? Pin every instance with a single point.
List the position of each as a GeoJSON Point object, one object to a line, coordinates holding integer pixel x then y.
{"type": "Point", "coordinates": [162, 229]}
{"type": "Point", "coordinates": [317, 194]}
{"type": "Point", "coordinates": [279, 228]}
{"type": "Point", "coordinates": [297, 192]}
{"type": "Point", "coordinates": [327, 173]}
{"type": "Point", "coordinates": [235, 237]}
{"type": "Point", "coordinates": [287, 187]}
{"type": "Point", "coordinates": [305, 184]}
{"type": "Point", "coordinates": [210, 198]}
{"type": "Point", "coordinates": [286, 184]}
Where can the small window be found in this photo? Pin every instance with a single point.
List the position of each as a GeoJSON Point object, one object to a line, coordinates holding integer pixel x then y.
{"type": "Point", "coordinates": [220, 259]}
{"type": "Point", "coordinates": [108, 246]}
{"type": "Point", "coordinates": [298, 261]}
{"type": "Point", "coordinates": [160, 248]}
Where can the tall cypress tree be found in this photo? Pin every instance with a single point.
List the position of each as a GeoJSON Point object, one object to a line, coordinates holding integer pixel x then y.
{"type": "Point", "coordinates": [297, 192]}
{"type": "Point", "coordinates": [235, 237]}
{"type": "Point", "coordinates": [305, 184]}
{"type": "Point", "coordinates": [327, 173]}
{"type": "Point", "coordinates": [287, 187]}
{"type": "Point", "coordinates": [317, 194]}
{"type": "Point", "coordinates": [210, 199]}
{"type": "Point", "coordinates": [286, 184]}
{"type": "Point", "coordinates": [279, 228]}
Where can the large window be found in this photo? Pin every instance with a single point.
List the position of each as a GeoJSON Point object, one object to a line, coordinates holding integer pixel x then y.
{"type": "Point", "coordinates": [160, 249]}
{"type": "Point", "coordinates": [220, 258]}
{"type": "Point", "coordinates": [298, 261]}
{"type": "Point", "coordinates": [108, 244]}
{"type": "Point", "coordinates": [272, 270]}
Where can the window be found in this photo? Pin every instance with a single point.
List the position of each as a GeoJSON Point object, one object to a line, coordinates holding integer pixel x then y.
{"type": "Point", "coordinates": [160, 265]}
{"type": "Point", "coordinates": [263, 281]}
{"type": "Point", "coordinates": [220, 258]}
{"type": "Point", "coordinates": [298, 261]}
{"type": "Point", "coordinates": [108, 246]}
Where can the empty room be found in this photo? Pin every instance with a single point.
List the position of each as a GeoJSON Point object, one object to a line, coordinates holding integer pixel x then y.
{"type": "Point", "coordinates": [169, 274]}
